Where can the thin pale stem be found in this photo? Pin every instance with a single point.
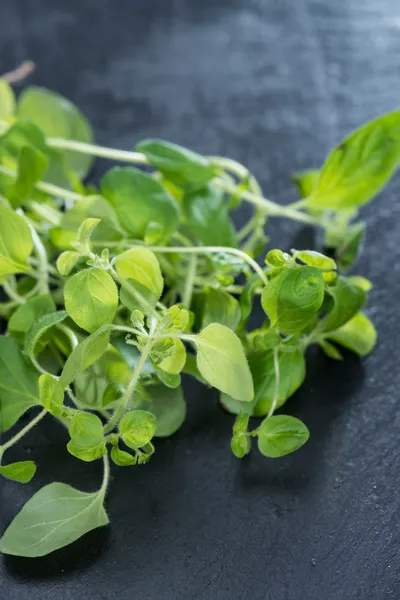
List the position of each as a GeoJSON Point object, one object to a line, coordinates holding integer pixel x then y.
{"type": "Point", "coordinates": [189, 284]}
{"type": "Point", "coordinates": [277, 384]}
{"type": "Point", "coordinates": [22, 432]}
{"type": "Point", "coordinates": [106, 476]}
{"type": "Point", "coordinates": [101, 151]}
{"type": "Point", "coordinates": [11, 293]}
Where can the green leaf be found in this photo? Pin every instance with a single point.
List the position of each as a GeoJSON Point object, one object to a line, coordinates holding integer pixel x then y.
{"type": "Point", "coordinates": [276, 258]}
{"type": "Point", "coordinates": [306, 181]}
{"type": "Point", "coordinates": [179, 165]}
{"type": "Point", "coordinates": [240, 445]}
{"type": "Point", "coordinates": [222, 362]}
{"type": "Point", "coordinates": [330, 350]}
{"type": "Point", "coordinates": [174, 361]}
{"type": "Point", "coordinates": [360, 166]}
{"type": "Point", "coordinates": [58, 118]}
{"type": "Point", "coordinates": [20, 134]}
{"type": "Point", "coordinates": [293, 298]}
{"type": "Point", "coordinates": [15, 243]}
{"type": "Point", "coordinates": [280, 435]}
{"type": "Point", "coordinates": [137, 428]}
{"type": "Point", "coordinates": [122, 458]}
{"type": "Point", "coordinates": [348, 299]}
{"type": "Point", "coordinates": [32, 165]}
{"type": "Point", "coordinates": [20, 471]}
{"type": "Point", "coordinates": [191, 368]}
{"type": "Point", "coordinates": [142, 266]}
{"type": "Point", "coordinates": [86, 229]}
{"type": "Point", "coordinates": [66, 262]}
{"type": "Point", "coordinates": [292, 369]}
{"type": "Point", "coordinates": [207, 213]}
{"type": "Point", "coordinates": [171, 380]}
{"type": "Point", "coordinates": [87, 437]}
{"type": "Point", "coordinates": [84, 355]}
{"type": "Point", "coordinates": [26, 314]}
{"type": "Point", "coordinates": [221, 307]}
{"type": "Point", "coordinates": [358, 335]}
{"type": "Point", "coordinates": [316, 259]}
{"type": "Point", "coordinates": [167, 405]}
{"type": "Point", "coordinates": [18, 383]}
{"type": "Point", "coordinates": [91, 298]}
{"type": "Point", "coordinates": [361, 282]}
{"type": "Point", "coordinates": [54, 517]}
{"type": "Point", "coordinates": [139, 200]}
{"type": "Point", "coordinates": [7, 100]}
{"type": "Point", "coordinates": [39, 328]}
{"type": "Point", "coordinates": [51, 394]}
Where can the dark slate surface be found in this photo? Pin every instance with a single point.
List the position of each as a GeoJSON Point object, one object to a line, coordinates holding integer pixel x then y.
{"type": "Point", "coordinates": [273, 84]}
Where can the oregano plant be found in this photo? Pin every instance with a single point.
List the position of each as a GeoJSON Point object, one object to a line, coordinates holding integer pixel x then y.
{"type": "Point", "coordinates": [111, 293]}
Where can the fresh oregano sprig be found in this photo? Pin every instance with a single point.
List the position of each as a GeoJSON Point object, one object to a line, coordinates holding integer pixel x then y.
{"type": "Point", "coordinates": [110, 294]}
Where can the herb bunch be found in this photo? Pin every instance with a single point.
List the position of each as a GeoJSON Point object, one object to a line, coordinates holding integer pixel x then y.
{"type": "Point", "coordinates": [111, 293]}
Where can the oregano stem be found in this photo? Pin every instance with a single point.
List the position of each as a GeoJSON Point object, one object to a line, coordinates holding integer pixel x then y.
{"type": "Point", "coordinates": [47, 188]}
{"type": "Point", "coordinates": [189, 284]}
{"type": "Point", "coordinates": [23, 431]}
{"type": "Point", "coordinates": [11, 293]}
{"type": "Point", "coordinates": [100, 151]}
{"type": "Point", "coordinates": [277, 384]}
{"type": "Point", "coordinates": [106, 476]}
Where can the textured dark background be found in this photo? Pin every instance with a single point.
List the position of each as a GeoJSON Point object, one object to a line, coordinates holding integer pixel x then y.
{"type": "Point", "coordinates": [273, 84]}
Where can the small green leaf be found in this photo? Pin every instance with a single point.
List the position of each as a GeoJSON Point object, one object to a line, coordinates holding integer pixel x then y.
{"type": "Point", "coordinates": [20, 471]}
{"type": "Point", "coordinates": [86, 229]}
{"type": "Point", "coordinates": [240, 445]}
{"type": "Point", "coordinates": [137, 428]}
{"type": "Point", "coordinates": [330, 350]}
{"type": "Point", "coordinates": [7, 100]}
{"type": "Point", "coordinates": [15, 243]}
{"type": "Point", "coordinates": [358, 335]}
{"type": "Point", "coordinates": [66, 262]}
{"type": "Point", "coordinates": [51, 394]}
{"type": "Point", "coordinates": [316, 259]}
{"type": "Point", "coordinates": [58, 118]}
{"type": "Point", "coordinates": [54, 517]}
{"type": "Point", "coordinates": [167, 405]}
{"type": "Point", "coordinates": [178, 164]}
{"type": "Point", "coordinates": [87, 437]}
{"type": "Point", "coordinates": [32, 164]}
{"type": "Point", "coordinates": [222, 362]}
{"type": "Point", "coordinates": [26, 314]}
{"type": "Point", "coordinates": [293, 298]}
{"type": "Point", "coordinates": [276, 258]}
{"type": "Point", "coordinates": [84, 355]}
{"type": "Point", "coordinates": [18, 383]}
{"type": "Point", "coordinates": [361, 282]}
{"type": "Point", "coordinates": [348, 299]}
{"type": "Point", "coordinates": [360, 166]}
{"type": "Point", "coordinates": [306, 181]}
{"type": "Point", "coordinates": [171, 380]}
{"type": "Point", "coordinates": [141, 265]}
{"type": "Point", "coordinates": [91, 298]}
{"type": "Point", "coordinates": [139, 200]}
{"type": "Point", "coordinates": [39, 328]}
{"type": "Point", "coordinates": [122, 458]}
{"type": "Point", "coordinates": [207, 213]}
{"type": "Point", "coordinates": [221, 307]}
{"type": "Point", "coordinates": [175, 359]}
{"type": "Point", "coordinates": [280, 435]}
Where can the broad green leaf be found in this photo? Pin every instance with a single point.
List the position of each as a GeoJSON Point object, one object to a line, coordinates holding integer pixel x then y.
{"type": "Point", "coordinates": [141, 265]}
{"type": "Point", "coordinates": [348, 299]}
{"type": "Point", "coordinates": [51, 394]}
{"type": "Point", "coordinates": [221, 307]}
{"type": "Point", "coordinates": [7, 100]}
{"type": "Point", "coordinates": [175, 359]}
{"type": "Point", "coordinates": [330, 350]}
{"type": "Point", "coordinates": [18, 383]}
{"type": "Point", "coordinates": [32, 164]}
{"type": "Point", "coordinates": [280, 435]}
{"type": "Point", "coordinates": [351, 246]}
{"type": "Point", "coordinates": [91, 298]}
{"type": "Point", "coordinates": [139, 200]}
{"type": "Point", "coordinates": [20, 134]}
{"type": "Point", "coordinates": [20, 471]}
{"type": "Point", "coordinates": [66, 262]}
{"type": "Point", "coordinates": [122, 458]}
{"type": "Point", "coordinates": [222, 362]}
{"type": "Point", "coordinates": [316, 259]}
{"type": "Point", "coordinates": [292, 370]}
{"type": "Point", "coordinates": [358, 335]}
{"type": "Point", "coordinates": [85, 354]}
{"type": "Point", "coordinates": [39, 328]}
{"type": "Point", "coordinates": [58, 118]}
{"type": "Point", "coordinates": [207, 213]}
{"type": "Point", "coordinates": [26, 314]}
{"type": "Point", "coordinates": [306, 181]}
{"type": "Point", "coordinates": [360, 166]}
{"type": "Point", "coordinates": [293, 298]}
{"type": "Point", "coordinates": [137, 428]}
{"type": "Point", "coordinates": [178, 164]}
{"type": "Point", "coordinates": [240, 445]}
{"type": "Point", "coordinates": [54, 517]}
{"type": "Point", "coordinates": [87, 437]}
{"type": "Point", "coordinates": [167, 405]}
{"type": "Point", "coordinates": [90, 385]}
{"type": "Point", "coordinates": [15, 243]}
